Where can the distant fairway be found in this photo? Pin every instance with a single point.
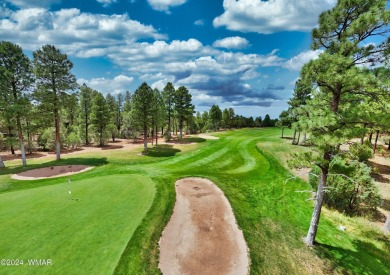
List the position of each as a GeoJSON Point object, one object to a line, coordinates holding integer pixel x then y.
{"type": "Point", "coordinates": [86, 236]}
{"type": "Point", "coordinates": [127, 199]}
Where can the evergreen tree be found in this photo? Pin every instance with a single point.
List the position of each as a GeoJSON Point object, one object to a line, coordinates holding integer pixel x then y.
{"type": "Point", "coordinates": [226, 119]}
{"type": "Point", "coordinates": [215, 115]}
{"type": "Point", "coordinates": [16, 79]}
{"type": "Point", "coordinates": [340, 86]}
{"type": "Point", "coordinates": [169, 100]}
{"type": "Point", "coordinates": [86, 96]}
{"type": "Point", "coordinates": [113, 110]}
{"type": "Point", "coordinates": [100, 117]}
{"type": "Point", "coordinates": [266, 121]}
{"type": "Point", "coordinates": [183, 106]}
{"type": "Point", "coordinates": [54, 78]}
{"type": "Point", "coordinates": [143, 109]}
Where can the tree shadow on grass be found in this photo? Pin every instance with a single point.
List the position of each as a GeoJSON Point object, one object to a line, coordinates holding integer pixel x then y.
{"type": "Point", "coordinates": [187, 140]}
{"type": "Point", "coordinates": [164, 150]}
{"type": "Point", "coordinates": [364, 259]}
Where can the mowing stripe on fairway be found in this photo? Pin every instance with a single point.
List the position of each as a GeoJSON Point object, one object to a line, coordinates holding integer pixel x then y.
{"type": "Point", "coordinates": [84, 233]}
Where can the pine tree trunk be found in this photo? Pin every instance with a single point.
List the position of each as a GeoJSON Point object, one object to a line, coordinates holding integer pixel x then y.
{"type": "Point", "coordinates": [376, 141]}
{"type": "Point", "coordinates": [152, 136]}
{"type": "Point", "coordinates": [162, 131]}
{"type": "Point", "coordinates": [295, 133]}
{"type": "Point", "coordinates": [299, 135]}
{"type": "Point", "coordinates": [387, 224]}
{"type": "Point", "coordinates": [21, 142]}
{"type": "Point", "coordinates": [156, 135]}
{"type": "Point", "coordinates": [1, 163]}
{"type": "Point", "coordinates": [370, 138]}
{"type": "Point", "coordinates": [388, 148]}
{"type": "Point", "coordinates": [315, 219]}
{"type": "Point", "coordinates": [304, 138]}
{"type": "Point", "coordinates": [58, 137]}
{"type": "Point", "coordinates": [86, 130]}
{"type": "Point", "coordinates": [282, 132]}
{"type": "Point", "coordinates": [145, 138]}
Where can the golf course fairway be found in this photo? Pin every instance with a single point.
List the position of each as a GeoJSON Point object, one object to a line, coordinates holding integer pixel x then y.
{"type": "Point", "coordinates": [81, 233]}
{"type": "Point", "coordinates": [127, 199]}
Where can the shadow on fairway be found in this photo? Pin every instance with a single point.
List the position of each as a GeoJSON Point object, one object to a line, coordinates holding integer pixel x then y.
{"type": "Point", "coordinates": [163, 150]}
{"type": "Point", "coordinates": [355, 262]}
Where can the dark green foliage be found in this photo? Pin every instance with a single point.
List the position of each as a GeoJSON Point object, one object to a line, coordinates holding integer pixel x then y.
{"type": "Point", "coordinates": [215, 115]}
{"type": "Point", "coordinates": [362, 151]}
{"type": "Point", "coordinates": [350, 188]}
{"type": "Point", "coordinates": [100, 117]}
{"type": "Point", "coordinates": [183, 106]}
{"type": "Point", "coordinates": [143, 109]}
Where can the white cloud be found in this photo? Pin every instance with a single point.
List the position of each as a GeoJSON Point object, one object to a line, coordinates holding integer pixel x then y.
{"type": "Point", "coordinates": [271, 16]}
{"type": "Point", "coordinates": [106, 3]}
{"type": "Point", "coordinates": [119, 84]}
{"type": "Point", "coordinates": [199, 22]}
{"type": "Point", "coordinates": [234, 42]}
{"type": "Point", "coordinates": [76, 33]}
{"type": "Point", "coordinates": [164, 5]}
{"type": "Point", "coordinates": [297, 62]}
{"type": "Point", "coordinates": [33, 3]}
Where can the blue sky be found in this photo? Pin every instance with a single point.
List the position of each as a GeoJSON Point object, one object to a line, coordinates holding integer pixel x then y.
{"type": "Point", "coordinates": [244, 54]}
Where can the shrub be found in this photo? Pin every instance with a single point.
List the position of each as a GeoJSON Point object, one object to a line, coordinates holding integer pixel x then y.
{"type": "Point", "coordinates": [350, 188]}
{"type": "Point", "coordinates": [362, 152]}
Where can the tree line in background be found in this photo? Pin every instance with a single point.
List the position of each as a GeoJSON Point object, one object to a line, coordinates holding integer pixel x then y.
{"type": "Point", "coordinates": [339, 102]}
{"type": "Point", "coordinates": [42, 106]}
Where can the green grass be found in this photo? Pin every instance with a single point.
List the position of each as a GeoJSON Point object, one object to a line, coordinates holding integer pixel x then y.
{"type": "Point", "coordinates": [82, 233]}
{"type": "Point", "coordinates": [249, 166]}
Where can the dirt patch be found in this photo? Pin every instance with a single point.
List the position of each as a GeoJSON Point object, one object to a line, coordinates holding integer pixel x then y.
{"type": "Point", "coordinates": [202, 236]}
{"type": "Point", "coordinates": [207, 136]}
{"type": "Point", "coordinates": [51, 172]}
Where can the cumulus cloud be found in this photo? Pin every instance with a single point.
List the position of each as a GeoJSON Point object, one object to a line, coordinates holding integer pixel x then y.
{"type": "Point", "coordinates": [271, 16]}
{"type": "Point", "coordinates": [297, 62]}
{"type": "Point", "coordinates": [234, 42]}
{"type": "Point", "coordinates": [106, 3]}
{"type": "Point", "coordinates": [33, 3]}
{"type": "Point", "coordinates": [164, 5]}
{"type": "Point", "coordinates": [199, 22]}
{"type": "Point", "coordinates": [77, 33]}
{"type": "Point", "coordinates": [118, 84]}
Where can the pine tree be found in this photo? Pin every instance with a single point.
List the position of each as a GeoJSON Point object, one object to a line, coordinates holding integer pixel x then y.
{"type": "Point", "coordinates": [168, 95]}
{"type": "Point", "coordinates": [16, 78]}
{"type": "Point", "coordinates": [183, 106]}
{"type": "Point", "coordinates": [54, 78]}
{"type": "Point", "coordinates": [86, 96]}
{"type": "Point", "coordinates": [100, 117]}
{"type": "Point", "coordinates": [143, 109]}
{"type": "Point", "coordinates": [340, 86]}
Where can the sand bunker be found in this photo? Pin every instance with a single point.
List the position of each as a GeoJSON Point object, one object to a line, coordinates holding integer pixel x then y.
{"type": "Point", "coordinates": [207, 136]}
{"type": "Point", "coordinates": [202, 236]}
{"type": "Point", "coordinates": [51, 172]}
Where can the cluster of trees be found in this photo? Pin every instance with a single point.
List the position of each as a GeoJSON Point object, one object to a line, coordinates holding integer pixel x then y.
{"type": "Point", "coordinates": [42, 105]}
{"type": "Point", "coordinates": [216, 119]}
{"type": "Point", "coordinates": [340, 96]}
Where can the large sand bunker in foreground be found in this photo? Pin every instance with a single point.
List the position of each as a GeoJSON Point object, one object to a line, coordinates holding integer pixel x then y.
{"type": "Point", "coordinates": [202, 236]}
{"type": "Point", "coordinates": [51, 172]}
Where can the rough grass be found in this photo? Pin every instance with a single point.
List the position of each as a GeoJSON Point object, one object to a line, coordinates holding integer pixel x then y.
{"type": "Point", "coordinates": [248, 165]}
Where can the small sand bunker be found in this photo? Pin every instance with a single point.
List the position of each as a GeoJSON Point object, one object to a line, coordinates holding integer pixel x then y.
{"type": "Point", "coordinates": [202, 236]}
{"type": "Point", "coordinates": [51, 172]}
{"type": "Point", "coordinates": [207, 136]}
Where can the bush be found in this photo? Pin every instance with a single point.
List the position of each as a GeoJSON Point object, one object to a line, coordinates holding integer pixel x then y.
{"type": "Point", "coordinates": [353, 194]}
{"type": "Point", "coordinates": [73, 140]}
{"type": "Point", "coordinates": [362, 152]}
{"type": "Point", "coordinates": [46, 139]}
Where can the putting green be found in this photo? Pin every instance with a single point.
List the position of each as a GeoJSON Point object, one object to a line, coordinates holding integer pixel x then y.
{"type": "Point", "coordinates": [84, 233]}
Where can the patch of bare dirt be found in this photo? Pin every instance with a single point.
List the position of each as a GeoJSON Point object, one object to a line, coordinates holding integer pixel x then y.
{"type": "Point", "coordinates": [51, 172]}
{"type": "Point", "coordinates": [202, 236]}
